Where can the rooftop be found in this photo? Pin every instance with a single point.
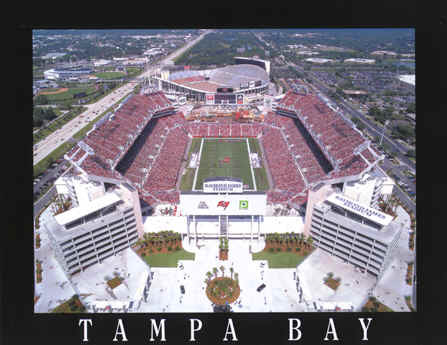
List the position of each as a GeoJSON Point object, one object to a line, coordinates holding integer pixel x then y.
{"type": "Point", "coordinates": [86, 208]}
{"type": "Point", "coordinates": [362, 210]}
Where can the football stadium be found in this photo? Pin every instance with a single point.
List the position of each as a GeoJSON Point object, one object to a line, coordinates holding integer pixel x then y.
{"type": "Point", "coordinates": [231, 84]}
{"type": "Point", "coordinates": [221, 165]}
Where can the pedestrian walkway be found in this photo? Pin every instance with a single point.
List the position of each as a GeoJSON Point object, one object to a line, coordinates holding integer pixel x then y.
{"type": "Point", "coordinates": [392, 287]}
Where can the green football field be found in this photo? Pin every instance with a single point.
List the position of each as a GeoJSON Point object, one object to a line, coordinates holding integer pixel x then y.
{"type": "Point", "coordinates": [224, 158]}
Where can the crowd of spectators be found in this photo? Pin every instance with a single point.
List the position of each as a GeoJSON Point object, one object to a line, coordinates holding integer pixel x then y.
{"type": "Point", "coordinates": [287, 180]}
{"type": "Point", "coordinates": [150, 154]}
{"type": "Point", "coordinates": [335, 137]}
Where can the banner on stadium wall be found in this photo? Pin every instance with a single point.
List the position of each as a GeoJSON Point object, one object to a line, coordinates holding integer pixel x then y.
{"type": "Point", "coordinates": [222, 187]}
{"type": "Point", "coordinates": [210, 99]}
{"type": "Point", "coordinates": [240, 99]}
{"type": "Point", "coordinates": [251, 84]}
{"type": "Point", "coordinates": [222, 204]}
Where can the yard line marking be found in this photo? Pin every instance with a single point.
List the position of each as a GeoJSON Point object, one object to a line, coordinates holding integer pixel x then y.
{"type": "Point", "coordinates": [251, 167]}
{"type": "Point", "coordinates": [197, 166]}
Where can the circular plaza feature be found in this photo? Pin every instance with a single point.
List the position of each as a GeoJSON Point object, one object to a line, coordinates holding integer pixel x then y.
{"type": "Point", "coordinates": [223, 290]}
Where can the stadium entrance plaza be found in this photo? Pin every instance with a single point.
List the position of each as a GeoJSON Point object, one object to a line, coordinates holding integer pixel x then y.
{"type": "Point", "coordinates": [279, 295]}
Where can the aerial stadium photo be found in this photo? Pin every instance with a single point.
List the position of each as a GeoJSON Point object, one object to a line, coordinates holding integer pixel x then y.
{"type": "Point", "coordinates": [197, 186]}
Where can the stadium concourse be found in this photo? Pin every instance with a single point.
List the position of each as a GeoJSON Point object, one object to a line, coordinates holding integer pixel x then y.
{"type": "Point", "coordinates": [144, 142]}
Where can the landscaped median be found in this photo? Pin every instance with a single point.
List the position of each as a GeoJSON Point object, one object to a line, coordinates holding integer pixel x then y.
{"type": "Point", "coordinates": [73, 305]}
{"type": "Point", "coordinates": [373, 305]}
{"type": "Point", "coordinates": [285, 250]}
{"type": "Point", "coordinates": [39, 271]}
{"type": "Point", "coordinates": [162, 249]}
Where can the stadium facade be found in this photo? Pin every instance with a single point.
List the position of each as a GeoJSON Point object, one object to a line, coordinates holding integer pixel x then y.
{"type": "Point", "coordinates": [227, 85]}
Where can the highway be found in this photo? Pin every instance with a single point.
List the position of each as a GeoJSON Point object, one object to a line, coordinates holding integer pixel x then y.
{"type": "Point", "coordinates": [52, 141]}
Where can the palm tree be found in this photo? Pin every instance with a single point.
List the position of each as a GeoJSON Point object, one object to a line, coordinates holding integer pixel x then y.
{"type": "Point", "coordinates": [236, 277]}
{"type": "Point", "coordinates": [215, 271]}
{"type": "Point", "coordinates": [222, 268]}
{"type": "Point", "coordinates": [231, 272]}
{"type": "Point", "coordinates": [209, 275]}
{"type": "Point", "coordinates": [301, 238]}
{"type": "Point", "coordinates": [310, 241]}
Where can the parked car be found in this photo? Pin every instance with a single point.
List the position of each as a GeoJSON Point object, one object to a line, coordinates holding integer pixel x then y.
{"type": "Point", "coordinates": [260, 287]}
{"type": "Point", "coordinates": [182, 289]}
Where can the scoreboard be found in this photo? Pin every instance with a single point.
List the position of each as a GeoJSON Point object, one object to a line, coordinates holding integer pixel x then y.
{"type": "Point", "coordinates": [225, 98]}
{"type": "Point", "coordinates": [224, 90]}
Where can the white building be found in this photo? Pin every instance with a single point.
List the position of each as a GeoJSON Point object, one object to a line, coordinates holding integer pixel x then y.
{"type": "Point", "coordinates": [354, 232]}
{"type": "Point", "coordinates": [369, 188]}
{"type": "Point", "coordinates": [101, 62]}
{"type": "Point", "coordinates": [319, 60]}
{"type": "Point", "coordinates": [101, 222]}
{"type": "Point", "coordinates": [56, 74]}
{"type": "Point", "coordinates": [357, 60]}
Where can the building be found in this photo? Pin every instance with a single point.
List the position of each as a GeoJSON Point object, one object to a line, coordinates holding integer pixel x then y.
{"type": "Point", "coordinates": [357, 60]}
{"type": "Point", "coordinates": [369, 188]}
{"type": "Point", "coordinates": [214, 86]}
{"type": "Point", "coordinates": [103, 220]}
{"type": "Point", "coordinates": [101, 62]}
{"type": "Point", "coordinates": [319, 60]}
{"type": "Point", "coordinates": [63, 74]}
{"type": "Point", "coordinates": [353, 232]}
{"type": "Point", "coordinates": [223, 200]}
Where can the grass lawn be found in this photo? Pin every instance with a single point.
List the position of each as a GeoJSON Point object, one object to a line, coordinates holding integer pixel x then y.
{"type": "Point", "coordinates": [279, 259]}
{"type": "Point", "coordinates": [168, 259]}
{"type": "Point", "coordinates": [68, 95]}
{"type": "Point", "coordinates": [110, 75]}
{"type": "Point", "coordinates": [212, 163]}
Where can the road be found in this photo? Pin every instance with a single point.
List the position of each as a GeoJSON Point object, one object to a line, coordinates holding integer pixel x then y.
{"type": "Point", "coordinates": [397, 148]}
{"type": "Point", "coordinates": [51, 142]}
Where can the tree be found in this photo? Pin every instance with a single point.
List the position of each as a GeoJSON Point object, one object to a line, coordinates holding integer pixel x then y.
{"type": "Point", "coordinates": [41, 100]}
{"type": "Point", "coordinates": [231, 272]}
{"type": "Point", "coordinates": [236, 277]}
{"type": "Point", "coordinates": [209, 275]}
{"type": "Point", "coordinates": [411, 153]}
{"type": "Point", "coordinates": [222, 268]}
{"type": "Point", "coordinates": [215, 270]}
{"type": "Point", "coordinates": [310, 241]}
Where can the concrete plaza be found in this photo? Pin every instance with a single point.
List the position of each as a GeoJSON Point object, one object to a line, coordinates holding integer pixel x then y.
{"type": "Point", "coordinates": [279, 295]}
